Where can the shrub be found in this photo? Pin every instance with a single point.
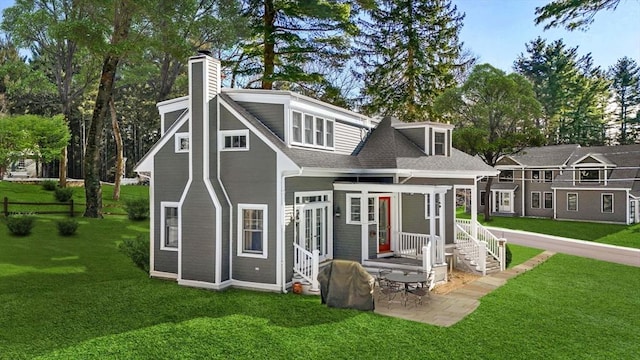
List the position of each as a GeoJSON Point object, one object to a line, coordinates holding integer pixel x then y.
{"type": "Point", "coordinates": [137, 209]}
{"type": "Point", "coordinates": [507, 255]}
{"type": "Point", "coordinates": [20, 225]}
{"type": "Point", "coordinates": [63, 194]}
{"type": "Point", "coordinates": [138, 250]}
{"type": "Point", "coordinates": [49, 185]}
{"type": "Point", "coordinates": [67, 227]}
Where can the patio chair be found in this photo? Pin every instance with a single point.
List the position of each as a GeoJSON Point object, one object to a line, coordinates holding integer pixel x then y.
{"type": "Point", "coordinates": [424, 291]}
{"type": "Point", "coordinates": [390, 290]}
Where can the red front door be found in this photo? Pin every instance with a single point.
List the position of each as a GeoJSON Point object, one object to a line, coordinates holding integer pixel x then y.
{"type": "Point", "coordinates": [384, 224]}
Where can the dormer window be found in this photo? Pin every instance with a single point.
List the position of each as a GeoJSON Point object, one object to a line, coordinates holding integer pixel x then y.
{"type": "Point", "coordinates": [589, 175]}
{"type": "Point", "coordinates": [506, 176]}
{"type": "Point", "coordinates": [439, 143]}
{"type": "Point", "coordinates": [310, 130]}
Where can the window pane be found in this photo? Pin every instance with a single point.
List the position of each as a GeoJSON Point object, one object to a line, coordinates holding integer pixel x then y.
{"type": "Point", "coordinates": [372, 209]}
{"type": "Point", "coordinates": [252, 234]}
{"type": "Point", "coordinates": [171, 227]}
{"type": "Point", "coordinates": [535, 176]}
{"type": "Point", "coordinates": [439, 140]}
{"type": "Point", "coordinates": [355, 209]}
{"type": "Point", "coordinates": [329, 133]}
{"type": "Point", "coordinates": [607, 203]}
{"type": "Point", "coordinates": [297, 127]}
{"type": "Point", "coordinates": [535, 200]}
{"type": "Point", "coordinates": [184, 143]}
{"type": "Point", "coordinates": [506, 176]}
{"type": "Point", "coordinates": [548, 176]}
{"type": "Point", "coordinates": [308, 129]}
{"type": "Point", "coordinates": [319, 131]}
{"type": "Point", "coordinates": [548, 200]}
{"type": "Point", "coordinates": [589, 175]}
{"type": "Point", "coordinates": [227, 142]}
{"type": "Point", "coordinates": [572, 202]}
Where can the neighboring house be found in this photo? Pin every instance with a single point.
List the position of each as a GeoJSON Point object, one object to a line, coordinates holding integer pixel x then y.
{"type": "Point", "coordinates": [250, 188]}
{"type": "Point", "coordinates": [569, 182]}
{"type": "Point", "coordinates": [23, 168]}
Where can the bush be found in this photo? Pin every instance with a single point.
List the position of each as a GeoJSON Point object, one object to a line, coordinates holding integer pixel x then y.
{"type": "Point", "coordinates": [138, 250]}
{"type": "Point", "coordinates": [507, 254]}
{"type": "Point", "coordinates": [67, 227]}
{"type": "Point", "coordinates": [137, 209]}
{"type": "Point", "coordinates": [20, 225]}
{"type": "Point", "coordinates": [49, 185]}
{"type": "Point", "coordinates": [63, 194]}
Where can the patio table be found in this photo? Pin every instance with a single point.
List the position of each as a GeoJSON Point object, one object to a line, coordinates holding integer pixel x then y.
{"type": "Point", "coordinates": [406, 279]}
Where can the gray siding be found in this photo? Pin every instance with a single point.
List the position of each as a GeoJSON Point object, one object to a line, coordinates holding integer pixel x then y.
{"type": "Point", "coordinates": [531, 187]}
{"type": "Point", "coordinates": [198, 211]}
{"type": "Point", "coordinates": [170, 118]}
{"type": "Point", "coordinates": [250, 178]}
{"type": "Point", "coordinates": [413, 208]}
{"type": "Point", "coordinates": [347, 137]}
{"type": "Point", "coordinates": [589, 206]}
{"type": "Point", "coordinates": [417, 135]}
{"type": "Point", "coordinates": [346, 237]}
{"type": "Point", "coordinates": [272, 115]}
{"type": "Point", "coordinates": [171, 172]}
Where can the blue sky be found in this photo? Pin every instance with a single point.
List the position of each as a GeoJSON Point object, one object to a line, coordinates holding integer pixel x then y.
{"type": "Point", "coordinates": [497, 30]}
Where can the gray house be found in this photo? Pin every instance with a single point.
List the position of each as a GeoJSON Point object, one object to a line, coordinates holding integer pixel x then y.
{"type": "Point", "coordinates": [569, 182]}
{"type": "Point", "coordinates": [253, 188]}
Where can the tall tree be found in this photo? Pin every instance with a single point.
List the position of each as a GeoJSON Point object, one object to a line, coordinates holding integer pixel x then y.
{"type": "Point", "coordinates": [409, 52]}
{"type": "Point", "coordinates": [287, 35]}
{"type": "Point", "coordinates": [48, 28]}
{"type": "Point", "coordinates": [572, 92]}
{"type": "Point", "coordinates": [494, 116]}
{"type": "Point", "coordinates": [625, 85]}
{"type": "Point", "coordinates": [119, 42]}
{"type": "Point", "coordinates": [572, 14]}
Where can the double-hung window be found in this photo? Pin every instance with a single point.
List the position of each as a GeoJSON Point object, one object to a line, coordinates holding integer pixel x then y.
{"type": "Point", "coordinates": [439, 143]}
{"type": "Point", "coordinates": [607, 203]}
{"type": "Point", "coordinates": [296, 127]}
{"type": "Point", "coordinates": [548, 200]}
{"type": "Point", "coordinates": [252, 230]}
{"type": "Point", "coordinates": [535, 200]}
{"type": "Point", "coordinates": [169, 230]}
{"type": "Point", "coordinates": [572, 202]}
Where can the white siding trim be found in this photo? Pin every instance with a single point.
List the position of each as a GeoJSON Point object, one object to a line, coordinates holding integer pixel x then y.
{"type": "Point", "coordinates": [265, 230]}
{"type": "Point", "coordinates": [163, 206]}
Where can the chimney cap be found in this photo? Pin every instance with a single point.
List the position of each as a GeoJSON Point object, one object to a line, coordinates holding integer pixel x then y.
{"type": "Point", "coordinates": [205, 52]}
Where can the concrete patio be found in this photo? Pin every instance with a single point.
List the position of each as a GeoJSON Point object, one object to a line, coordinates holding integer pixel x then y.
{"type": "Point", "coordinates": [446, 310]}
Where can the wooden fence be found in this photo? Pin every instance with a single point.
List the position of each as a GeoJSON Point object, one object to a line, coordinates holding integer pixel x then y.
{"type": "Point", "coordinates": [70, 211]}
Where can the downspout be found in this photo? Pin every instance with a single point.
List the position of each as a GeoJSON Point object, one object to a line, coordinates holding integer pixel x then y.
{"type": "Point", "coordinates": [283, 198]}
{"type": "Point", "coordinates": [523, 191]}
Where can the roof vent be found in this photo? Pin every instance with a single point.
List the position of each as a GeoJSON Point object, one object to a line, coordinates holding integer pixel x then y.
{"type": "Point", "coordinates": [205, 52]}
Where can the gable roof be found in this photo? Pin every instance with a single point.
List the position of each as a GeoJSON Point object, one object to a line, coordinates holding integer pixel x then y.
{"type": "Point", "coordinates": [545, 156]}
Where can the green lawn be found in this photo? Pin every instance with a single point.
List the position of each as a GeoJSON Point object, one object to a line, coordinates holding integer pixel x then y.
{"type": "Point", "coordinates": [621, 235]}
{"type": "Point", "coordinates": [79, 298]}
{"type": "Point", "coordinates": [35, 193]}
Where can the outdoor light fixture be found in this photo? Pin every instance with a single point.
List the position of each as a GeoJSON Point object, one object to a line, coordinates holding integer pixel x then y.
{"type": "Point", "coordinates": [337, 211]}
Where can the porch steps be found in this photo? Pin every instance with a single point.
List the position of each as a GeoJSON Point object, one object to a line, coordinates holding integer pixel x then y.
{"type": "Point", "coordinates": [462, 262]}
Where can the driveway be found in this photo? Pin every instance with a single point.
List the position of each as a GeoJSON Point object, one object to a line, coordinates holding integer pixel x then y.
{"type": "Point", "coordinates": [589, 249]}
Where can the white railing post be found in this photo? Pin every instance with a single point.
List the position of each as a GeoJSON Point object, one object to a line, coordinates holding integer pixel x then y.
{"type": "Point", "coordinates": [482, 258]}
{"type": "Point", "coordinates": [502, 250]}
{"type": "Point", "coordinates": [426, 258]}
{"type": "Point", "coordinates": [315, 270]}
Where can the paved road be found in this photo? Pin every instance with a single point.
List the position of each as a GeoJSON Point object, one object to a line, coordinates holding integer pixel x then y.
{"type": "Point", "coordinates": [611, 253]}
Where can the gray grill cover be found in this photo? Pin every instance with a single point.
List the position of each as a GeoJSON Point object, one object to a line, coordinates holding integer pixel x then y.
{"type": "Point", "coordinates": [346, 284]}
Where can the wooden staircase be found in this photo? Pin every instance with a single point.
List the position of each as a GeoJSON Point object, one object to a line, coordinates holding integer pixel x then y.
{"type": "Point", "coordinates": [464, 263]}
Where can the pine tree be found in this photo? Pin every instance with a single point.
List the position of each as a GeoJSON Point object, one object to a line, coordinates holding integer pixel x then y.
{"type": "Point", "coordinates": [625, 85]}
{"type": "Point", "coordinates": [409, 52]}
{"type": "Point", "coordinates": [287, 36]}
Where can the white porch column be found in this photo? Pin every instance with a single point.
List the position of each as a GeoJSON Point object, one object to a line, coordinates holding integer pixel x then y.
{"type": "Point", "coordinates": [474, 209]}
{"type": "Point", "coordinates": [364, 221]}
{"type": "Point", "coordinates": [442, 232]}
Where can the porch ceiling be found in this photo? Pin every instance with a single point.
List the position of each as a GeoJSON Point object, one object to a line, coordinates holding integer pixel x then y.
{"type": "Point", "coordinates": [397, 188]}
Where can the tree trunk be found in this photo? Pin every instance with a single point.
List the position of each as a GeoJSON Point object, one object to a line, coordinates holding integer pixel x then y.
{"type": "Point", "coordinates": [117, 136]}
{"type": "Point", "coordinates": [269, 45]}
{"type": "Point", "coordinates": [92, 158]}
{"type": "Point", "coordinates": [487, 199]}
{"type": "Point", "coordinates": [62, 171]}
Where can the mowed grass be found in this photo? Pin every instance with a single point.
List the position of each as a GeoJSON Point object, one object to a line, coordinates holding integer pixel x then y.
{"type": "Point", "coordinates": [613, 234]}
{"type": "Point", "coordinates": [79, 298]}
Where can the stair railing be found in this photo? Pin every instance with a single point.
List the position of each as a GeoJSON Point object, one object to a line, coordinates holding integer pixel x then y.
{"type": "Point", "coordinates": [307, 265]}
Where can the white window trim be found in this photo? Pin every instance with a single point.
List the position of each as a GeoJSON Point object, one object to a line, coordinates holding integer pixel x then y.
{"type": "Point", "coordinates": [265, 230]}
{"type": "Point", "coordinates": [513, 176]}
{"type": "Point", "coordinates": [544, 201]}
{"type": "Point", "coordinates": [577, 199]}
{"type": "Point", "coordinates": [602, 203]}
{"type": "Point", "coordinates": [178, 140]}
{"type": "Point", "coordinates": [445, 144]}
{"type": "Point", "coordinates": [348, 214]}
{"type": "Point", "coordinates": [539, 200]}
{"type": "Point", "coordinates": [225, 133]}
{"type": "Point", "coordinates": [163, 206]}
{"type": "Point", "coordinates": [303, 142]}
{"type": "Point", "coordinates": [364, 214]}
{"type": "Point", "coordinates": [599, 170]}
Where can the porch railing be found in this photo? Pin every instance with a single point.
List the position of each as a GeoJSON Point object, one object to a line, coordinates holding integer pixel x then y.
{"type": "Point", "coordinates": [410, 244]}
{"type": "Point", "coordinates": [471, 245]}
{"type": "Point", "coordinates": [307, 265]}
